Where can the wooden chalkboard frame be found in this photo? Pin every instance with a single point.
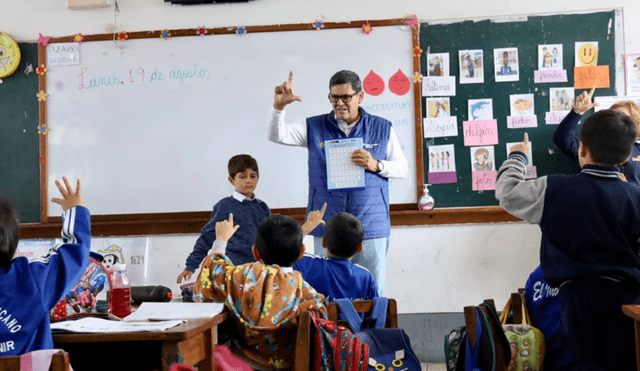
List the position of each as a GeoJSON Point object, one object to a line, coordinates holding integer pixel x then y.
{"type": "Point", "coordinates": [191, 222]}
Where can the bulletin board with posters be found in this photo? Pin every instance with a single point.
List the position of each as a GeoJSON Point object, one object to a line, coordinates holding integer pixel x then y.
{"type": "Point", "coordinates": [486, 83]}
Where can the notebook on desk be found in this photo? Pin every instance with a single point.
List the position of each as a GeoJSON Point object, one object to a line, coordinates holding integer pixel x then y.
{"type": "Point", "coordinates": [154, 311]}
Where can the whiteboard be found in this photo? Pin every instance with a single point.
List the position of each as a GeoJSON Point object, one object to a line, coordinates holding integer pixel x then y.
{"type": "Point", "coordinates": [149, 124]}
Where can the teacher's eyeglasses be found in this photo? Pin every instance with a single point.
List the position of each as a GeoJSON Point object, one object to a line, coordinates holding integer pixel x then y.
{"type": "Point", "coordinates": [344, 98]}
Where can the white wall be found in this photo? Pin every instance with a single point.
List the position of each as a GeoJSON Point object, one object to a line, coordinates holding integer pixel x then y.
{"type": "Point", "coordinates": [430, 269]}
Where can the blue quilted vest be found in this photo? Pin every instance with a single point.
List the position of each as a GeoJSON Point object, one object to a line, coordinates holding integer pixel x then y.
{"type": "Point", "coordinates": [370, 205]}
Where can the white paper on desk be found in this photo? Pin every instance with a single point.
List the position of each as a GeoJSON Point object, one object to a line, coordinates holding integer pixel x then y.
{"type": "Point", "coordinates": [153, 311]}
{"type": "Point", "coordinates": [100, 325]}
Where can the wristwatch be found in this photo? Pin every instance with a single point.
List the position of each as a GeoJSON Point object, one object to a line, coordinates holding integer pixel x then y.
{"type": "Point", "coordinates": [380, 167]}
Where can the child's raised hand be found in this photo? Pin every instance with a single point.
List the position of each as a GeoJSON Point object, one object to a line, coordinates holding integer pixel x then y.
{"type": "Point", "coordinates": [583, 102]}
{"type": "Point", "coordinates": [70, 198]}
{"type": "Point", "coordinates": [521, 147]}
{"type": "Point", "coordinates": [225, 229]}
{"type": "Point", "coordinates": [314, 219]}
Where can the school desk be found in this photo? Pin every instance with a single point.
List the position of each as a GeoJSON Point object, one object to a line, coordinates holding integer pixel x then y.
{"type": "Point", "coordinates": [633, 311]}
{"type": "Point", "coordinates": [190, 343]}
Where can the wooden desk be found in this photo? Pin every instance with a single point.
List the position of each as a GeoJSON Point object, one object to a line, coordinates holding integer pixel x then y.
{"type": "Point", "coordinates": [190, 343]}
{"type": "Point", "coordinates": [633, 311]}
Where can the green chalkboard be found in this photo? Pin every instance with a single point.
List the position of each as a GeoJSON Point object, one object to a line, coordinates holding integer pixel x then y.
{"type": "Point", "coordinates": [19, 142]}
{"type": "Point", "coordinates": [526, 34]}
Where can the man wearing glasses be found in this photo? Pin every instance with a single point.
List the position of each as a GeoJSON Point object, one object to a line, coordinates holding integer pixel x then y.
{"type": "Point", "coordinates": [382, 158]}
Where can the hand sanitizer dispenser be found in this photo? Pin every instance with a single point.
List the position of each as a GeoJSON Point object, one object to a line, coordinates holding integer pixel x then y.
{"type": "Point", "coordinates": [426, 201]}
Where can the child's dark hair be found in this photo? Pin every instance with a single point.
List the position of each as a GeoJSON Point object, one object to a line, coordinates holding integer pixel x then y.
{"type": "Point", "coordinates": [343, 235]}
{"type": "Point", "coordinates": [609, 135]}
{"type": "Point", "coordinates": [279, 240]}
{"type": "Point", "coordinates": [240, 163]}
{"type": "Point", "coordinates": [9, 232]}
{"type": "Point", "coordinates": [346, 77]}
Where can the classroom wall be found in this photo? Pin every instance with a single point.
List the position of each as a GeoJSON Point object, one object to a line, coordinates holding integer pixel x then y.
{"type": "Point", "coordinates": [432, 270]}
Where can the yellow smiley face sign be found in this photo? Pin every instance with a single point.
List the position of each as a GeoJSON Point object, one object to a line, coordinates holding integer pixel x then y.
{"type": "Point", "coordinates": [588, 55]}
{"type": "Point", "coordinates": [9, 55]}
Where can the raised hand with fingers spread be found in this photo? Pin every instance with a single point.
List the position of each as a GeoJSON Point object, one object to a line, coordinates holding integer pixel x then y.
{"type": "Point", "coordinates": [70, 198]}
{"type": "Point", "coordinates": [284, 95]}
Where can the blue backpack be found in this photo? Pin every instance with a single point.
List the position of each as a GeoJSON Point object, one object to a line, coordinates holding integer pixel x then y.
{"type": "Point", "coordinates": [388, 347]}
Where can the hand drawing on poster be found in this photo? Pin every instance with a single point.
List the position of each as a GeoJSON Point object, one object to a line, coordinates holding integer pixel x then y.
{"type": "Point", "coordinates": [482, 158]}
{"type": "Point", "coordinates": [438, 64]}
{"type": "Point", "coordinates": [480, 109]}
{"type": "Point", "coordinates": [442, 164]}
{"type": "Point", "coordinates": [471, 66]}
{"type": "Point", "coordinates": [506, 64]}
{"type": "Point", "coordinates": [132, 251]}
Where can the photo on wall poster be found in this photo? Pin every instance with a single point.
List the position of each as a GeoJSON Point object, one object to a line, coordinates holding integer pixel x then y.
{"type": "Point", "coordinates": [438, 64]}
{"type": "Point", "coordinates": [438, 107]}
{"type": "Point", "coordinates": [471, 66]}
{"type": "Point", "coordinates": [506, 64]}
{"type": "Point", "coordinates": [550, 57]}
{"type": "Point", "coordinates": [442, 158]}
{"type": "Point", "coordinates": [561, 99]}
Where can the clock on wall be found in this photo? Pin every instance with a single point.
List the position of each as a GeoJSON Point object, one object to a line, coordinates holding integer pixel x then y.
{"type": "Point", "coordinates": [9, 55]}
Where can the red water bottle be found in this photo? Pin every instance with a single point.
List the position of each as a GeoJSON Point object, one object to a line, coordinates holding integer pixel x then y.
{"type": "Point", "coordinates": [120, 291]}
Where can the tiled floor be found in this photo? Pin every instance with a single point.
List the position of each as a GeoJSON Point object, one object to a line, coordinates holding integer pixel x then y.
{"type": "Point", "coordinates": [434, 367]}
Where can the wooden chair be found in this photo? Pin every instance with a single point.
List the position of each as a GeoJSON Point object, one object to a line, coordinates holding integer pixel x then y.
{"type": "Point", "coordinates": [365, 306]}
{"type": "Point", "coordinates": [301, 361]}
{"type": "Point", "coordinates": [59, 362]}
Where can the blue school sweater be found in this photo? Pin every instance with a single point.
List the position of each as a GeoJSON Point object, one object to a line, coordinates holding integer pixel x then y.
{"type": "Point", "coordinates": [31, 287]}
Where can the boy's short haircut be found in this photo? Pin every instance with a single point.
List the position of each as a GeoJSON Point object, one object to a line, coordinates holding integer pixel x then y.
{"type": "Point", "coordinates": [346, 77]}
{"type": "Point", "coordinates": [240, 163]}
{"type": "Point", "coordinates": [279, 240]}
{"type": "Point", "coordinates": [9, 232]}
{"type": "Point", "coordinates": [609, 135]}
{"type": "Point", "coordinates": [343, 235]}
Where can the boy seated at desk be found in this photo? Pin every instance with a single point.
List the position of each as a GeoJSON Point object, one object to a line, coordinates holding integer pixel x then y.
{"type": "Point", "coordinates": [590, 225]}
{"type": "Point", "coordinates": [334, 275]}
{"type": "Point", "coordinates": [265, 297]}
{"type": "Point", "coordinates": [31, 287]}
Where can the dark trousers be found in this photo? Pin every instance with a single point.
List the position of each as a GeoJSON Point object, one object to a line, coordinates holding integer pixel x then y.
{"type": "Point", "coordinates": [598, 336]}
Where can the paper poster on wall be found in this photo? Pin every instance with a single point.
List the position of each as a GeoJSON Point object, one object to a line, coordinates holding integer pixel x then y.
{"type": "Point", "coordinates": [505, 61]}
{"type": "Point", "coordinates": [438, 107]}
{"type": "Point", "coordinates": [550, 57]}
{"type": "Point", "coordinates": [483, 180]}
{"type": "Point", "coordinates": [480, 132]}
{"type": "Point", "coordinates": [632, 73]}
{"type": "Point", "coordinates": [561, 99]}
{"type": "Point", "coordinates": [606, 102]}
{"type": "Point", "coordinates": [482, 158]}
{"type": "Point", "coordinates": [522, 112]}
{"type": "Point", "coordinates": [444, 86]}
{"type": "Point", "coordinates": [589, 76]}
{"type": "Point", "coordinates": [471, 66]}
{"type": "Point", "coordinates": [586, 53]}
{"type": "Point", "coordinates": [555, 117]}
{"type": "Point", "coordinates": [34, 248]}
{"type": "Point", "coordinates": [373, 84]}
{"type": "Point", "coordinates": [438, 64]}
{"type": "Point", "coordinates": [442, 164]}
{"type": "Point", "coordinates": [531, 170]}
{"type": "Point", "coordinates": [480, 109]}
{"type": "Point", "coordinates": [63, 54]}
{"type": "Point", "coordinates": [133, 251]}
{"type": "Point", "coordinates": [438, 127]}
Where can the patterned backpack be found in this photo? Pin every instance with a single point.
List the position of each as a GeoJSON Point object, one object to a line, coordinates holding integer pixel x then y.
{"type": "Point", "coordinates": [335, 347]}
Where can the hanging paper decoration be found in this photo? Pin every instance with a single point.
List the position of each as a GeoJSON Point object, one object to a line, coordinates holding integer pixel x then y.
{"type": "Point", "coordinates": [417, 52]}
{"type": "Point", "coordinates": [413, 22]}
{"type": "Point", "coordinates": [165, 34]}
{"type": "Point", "coordinates": [318, 24]}
{"type": "Point", "coordinates": [241, 31]}
{"type": "Point", "coordinates": [42, 96]}
{"type": "Point", "coordinates": [366, 28]}
{"type": "Point", "coordinates": [373, 84]}
{"type": "Point", "coordinates": [417, 77]}
{"type": "Point", "coordinates": [41, 70]}
{"type": "Point", "coordinates": [78, 38]}
{"type": "Point", "coordinates": [43, 40]}
{"type": "Point", "coordinates": [41, 159]}
{"type": "Point", "coordinates": [201, 31]}
{"type": "Point", "coordinates": [122, 36]}
{"type": "Point", "coordinates": [9, 55]}
{"type": "Point", "coordinates": [399, 83]}
{"type": "Point", "coordinates": [42, 130]}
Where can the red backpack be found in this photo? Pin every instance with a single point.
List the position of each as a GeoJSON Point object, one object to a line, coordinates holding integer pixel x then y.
{"type": "Point", "coordinates": [336, 348]}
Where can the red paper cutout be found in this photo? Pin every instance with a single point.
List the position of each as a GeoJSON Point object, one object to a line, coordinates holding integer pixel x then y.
{"type": "Point", "coordinates": [399, 83]}
{"type": "Point", "coordinates": [373, 84]}
{"type": "Point", "coordinates": [43, 40]}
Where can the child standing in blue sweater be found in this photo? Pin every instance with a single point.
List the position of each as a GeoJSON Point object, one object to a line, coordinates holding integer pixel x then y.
{"type": "Point", "coordinates": [248, 212]}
